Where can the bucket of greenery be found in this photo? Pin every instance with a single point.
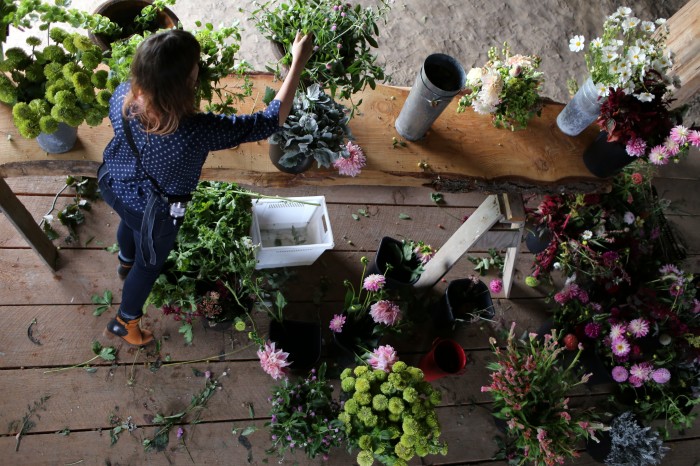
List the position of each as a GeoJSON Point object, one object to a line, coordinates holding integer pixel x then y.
{"type": "Point", "coordinates": [389, 412]}
{"type": "Point", "coordinates": [344, 35]}
{"type": "Point", "coordinates": [401, 262]}
{"type": "Point", "coordinates": [316, 129]}
{"type": "Point", "coordinates": [304, 417]}
{"type": "Point", "coordinates": [210, 274]}
{"type": "Point", "coordinates": [54, 89]}
{"type": "Point", "coordinates": [133, 17]}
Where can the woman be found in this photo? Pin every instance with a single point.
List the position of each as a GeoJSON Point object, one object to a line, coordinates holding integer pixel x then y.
{"type": "Point", "coordinates": [154, 161]}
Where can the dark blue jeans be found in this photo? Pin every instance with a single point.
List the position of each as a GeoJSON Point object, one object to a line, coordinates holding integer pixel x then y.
{"type": "Point", "coordinates": [145, 239]}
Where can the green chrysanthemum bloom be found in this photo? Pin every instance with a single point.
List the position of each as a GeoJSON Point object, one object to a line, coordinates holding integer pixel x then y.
{"type": "Point", "coordinates": [33, 41]}
{"type": "Point", "coordinates": [397, 381]}
{"type": "Point", "coordinates": [53, 71]}
{"type": "Point", "coordinates": [65, 98]}
{"type": "Point", "coordinates": [386, 388]}
{"type": "Point", "coordinates": [394, 417]}
{"type": "Point", "coordinates": [362, 385]}
{"type": "Point", "coordinates": [94, 117]}
{"type": "Point", "coordinates": [239, 325]}
{"type": "Point", "coordinates": [69, 69]}
{"type": "Point", "coordinates": [48, 124]}
{"type": "Point", "coordinates": [399, 366]}
{"type": "Point", "coordinates": [410, 425]}
{"type": "Point", "coordinates": [54, 54]}
{"type": "Point", "coordinates": [424, 388]}
{"type": "Point", "coordinates": [532, 281]}
{"type": "Point", "coordinates": [69, 45]}
{"type": "Point", "coordinates": [404, 452]}
{"type": "Point", "coordinates": [103, 97]}
{"type": "Point", "coordinates": [53, 89]}
{"type": "Point", "coordinates": [394, 432]}
{"type": "Point", "coordinates": [363, 398]}
{"type": "Point", "coordinates": [112, 84]}
{"type": "Point", "coordinates": [365, 442]}
{"type": "Point", "coordinates": [359, 370]}
{"type": "Point", "coordinates": [99, 79]}
{"type": "Point", "coordinates": [69, 114]}
{"type": "Point", "coordinates": [379, 375]}
{"type": "Point", "coordinates": [436, 432]}
{"type": "Point", "coordinates": [58, 34]}
{"type": "Point", "coordinates": [396, 405]}
{"type": "Point", "coordinates": [16, 59]}
{"type": "Point", "coordinates": [351, 406]}
{"type": "Point", "coordinates": [347, 372]}
{"type": "Point", "coordinates": [435, 397]}
{"type": "Point", "coordinates": [91, 59]}
{"type": "Point", "coordinates": [81, 81]}
{"type": "Point", "coordinates": [347, 384]}
{"type": "Point", "coordinates": [408, 440]}
{"type": "Point", "coordinates": [419, 410]}
{"type": "Point", "coordinates": [431, 420]}
{"type": "Point", "coordinates": [443, 449]}
{"type": "Point", "coordinates": [400, 462]}
{"type": "Point", "coordinates": [82, 42]}
{"type": "Point", "coordinates": [380, 402]}
{"type": "Point", "coordinates": [40, 107]}
{"type": "Point", "coordinates": [365, 458]}
{"type": "Point", "coordinates": [422, 450]}
{"type": "Point", "coordinates": [344, 418]}
{"type": "Point", "coordinates": [26, 121]}
{"type": "Point", "coordinates": [8, 92]}
{"type": "Point", "coordinates": [416, 374]}
{"type": "Point", "coordinates": [410, 394]}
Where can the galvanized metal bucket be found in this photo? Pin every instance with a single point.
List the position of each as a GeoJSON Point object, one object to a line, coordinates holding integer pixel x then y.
{"type": "Point", "coordinates": [441, 77]}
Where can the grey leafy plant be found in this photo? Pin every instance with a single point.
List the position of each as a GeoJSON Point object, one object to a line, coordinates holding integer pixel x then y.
{"type": "Point", "coordinates": [633, 444]}
{"type": "Point", "coordinates": [317, 127]}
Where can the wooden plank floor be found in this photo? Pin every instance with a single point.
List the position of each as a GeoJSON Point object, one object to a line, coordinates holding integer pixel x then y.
{"type": "Point", "coordinates": [82, 402]}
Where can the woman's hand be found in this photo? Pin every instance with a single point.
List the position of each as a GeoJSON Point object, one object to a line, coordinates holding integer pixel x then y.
{"type": "Point", "coordinates": [302, 48]}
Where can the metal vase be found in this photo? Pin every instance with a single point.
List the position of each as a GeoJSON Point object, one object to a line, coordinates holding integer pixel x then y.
{"type": "Point", "coordinates": [60, 141]}
{"type": "Point", "coordinates": [441, 77]}
{"type": "Point", "coordinates": [581, 111]}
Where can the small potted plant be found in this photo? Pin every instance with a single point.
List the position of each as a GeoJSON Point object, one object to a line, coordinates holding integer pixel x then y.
{"type": "Point", "coordinates": [316, 130]}
{"type": "Point", "coordinates": [304, 417]}
{"type": "Point", "coordinates": [628, 442]}
{"type": "Point", "coordinates": [402, 262]}
{"type": "Point", "coordinates": [530, 388]}
{"type": "Point", "coordinates": [507, 87]}
{"type": "Point", "coordinates": [389, 412]}
{"type": "Point", "coordinates": [344, 36]}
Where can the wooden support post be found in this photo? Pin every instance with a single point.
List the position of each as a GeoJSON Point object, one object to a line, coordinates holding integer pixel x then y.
{"type": "Point", "coordinates": [25, 224]}
{"type": "Point", "coordinates": [684, 41]}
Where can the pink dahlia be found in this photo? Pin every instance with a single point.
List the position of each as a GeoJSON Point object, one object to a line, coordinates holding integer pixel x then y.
{"type": "Point", "coordinates": [638, 327]}
{"type": "Point", "coordinates": [374, 282]}
{"type": "Point", "coordinates": [619, 374]}
{"type": "Point", "coordinates": [658, 155]}
{"type": "Point", "coordinates": [641, 371]}
{"type": "Point", "coordinates": [694, 138]}
{"type": "Point", "coordinates": [620, 347]}
{"type": "Point", "coordinates": [636, 147]}
{"type": "Point", "coordinates": [351, 165]}
{"type": "Point", "coordinates": [337, 323]}
{"type": "Point", "coordinates": [672, 147]}
{"type": "Point", "coordinates": [679, 134]}
{"type": "Point", "coordinates": [496, 286]}
{"type": "Point", "coordinates": [661, 376]}
{"type": "Point", "coordinates": [617, 331]}
{"type": "Point", "coordinates": [385, 312]}
{"type": "Point", "coordinates": [273, 362]}
{"type": "Point", "coordinates": [383, 358]}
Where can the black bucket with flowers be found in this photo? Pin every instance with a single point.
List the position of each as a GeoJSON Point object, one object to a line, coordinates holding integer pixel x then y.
{"type": "Point", "coordinates": [302, 340]}
{"type": "Point", "coordinates": [401, 262]}
{"type": "Point", "coordinates": [465, 300]}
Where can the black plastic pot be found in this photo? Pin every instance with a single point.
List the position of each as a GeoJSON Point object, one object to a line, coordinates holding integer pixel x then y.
{"type": "Point", "coordinates": [387, 254]}
{"type": "Point", "coordinates": [605, 159]}
{"type": "Point", "coordinates": [537, 238]}
{"type": "Point", "coordinates": [123, 13]}
{"type": "Point", "coordinates": [302, 340]}
{"type": "Point", "coordinates": [354, 339]}
{"type": "Point", "coordinates": [275, 156]}
{"type": "Point", "coordinates": [463, 299]}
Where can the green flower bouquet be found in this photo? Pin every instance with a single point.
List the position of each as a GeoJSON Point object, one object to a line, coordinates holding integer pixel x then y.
{"type": "Point", "coordinates": [390, 416]}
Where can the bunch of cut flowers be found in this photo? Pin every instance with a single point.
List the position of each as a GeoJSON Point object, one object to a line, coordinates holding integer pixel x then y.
{"type": "Point", "coordinates": [304, 416]}
{"type": "Point", "coordinates": [507, 87]}
{"type": "Point", "coordinates": [530, 385]}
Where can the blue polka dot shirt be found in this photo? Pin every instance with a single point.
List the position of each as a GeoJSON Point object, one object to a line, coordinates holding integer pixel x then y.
{"type": "Point", "coordinates": [175, 160]}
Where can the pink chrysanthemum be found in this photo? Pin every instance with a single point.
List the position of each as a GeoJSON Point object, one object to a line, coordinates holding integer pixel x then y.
{"type": "Point", "coordinates": [496, 286]}
{"type": "Point", "coordinates": [641, 371]}
{"type": "Point", "coordinates": [636, 147]}
{"type": "Point", "coordinates": [617, 331]}
{"type": "Point", "coordinates": [383, 358]}
{"type": "Point", "coordinates": [620, 347]}
{"type": "Point", "coordinates": [661, 375]}
{"type": "Point", "coordinates": [337, 323]}
{"type": "Point", "coordinates": [385, 312]}
{"type": "Point", "coordinates": [679, 134]}
{"type": "Point", "coordinates": [351, 165]}
{"type": "Point", "coordinates": [670, 269]}
{"type": "Point", "coordinates": [593, 329]}
{"type": "Point", "coordinates": [636, 382]}
{"type": "Point", "coordinates": [273, 362]}
{"type": "Point", "coordinates": [694, 138]}
{"type": "Point", "coordinates": [658, 155]}
{"type": "Point", "coordinates": [672, 147]}
{"type": "Point", "coordinates": [619, 374]}
{"type": "Point", "coordinates": [638, 327]}
{"type": "Point", "coordinates": [374, 282]}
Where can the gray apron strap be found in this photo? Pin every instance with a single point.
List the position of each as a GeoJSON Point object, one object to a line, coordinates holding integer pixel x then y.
{"type": "Point", "coordinates": [147, 225]}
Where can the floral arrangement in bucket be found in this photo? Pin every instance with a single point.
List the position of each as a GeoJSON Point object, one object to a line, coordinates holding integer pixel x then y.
{"type": "Point", "coordinates": [304, 416]}
{"type": "Point", "coordinates": [631, 443]}
{"type": "Point", "coordinates": [507, 87]}
{"type": "Point", "coordinates": [317, 129]}
{"type": "Point", "coordinates": [402, 262]}
{"type": "Point", "coordinates": [529, 386]}
{"type": "Point", "coordinates": [389, 413]}
{"type": "Point", "coordinates": [344, 35]}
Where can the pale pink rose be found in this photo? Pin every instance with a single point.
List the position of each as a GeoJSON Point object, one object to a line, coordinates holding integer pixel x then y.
{"type": "Point", "coordinates": [374, 282]}
{"type": "Point", "coordinates": [273, 362]}
{"type": "Point", "coordinates": [385, 312]}
{"type": "Point", "coordinates": [337, 323]}
{"type": "Point", "coordinates": [383, 358]}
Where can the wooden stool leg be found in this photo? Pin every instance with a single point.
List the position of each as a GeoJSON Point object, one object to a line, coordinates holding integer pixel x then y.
{"type": "Point", "coordinates": [25, 224]}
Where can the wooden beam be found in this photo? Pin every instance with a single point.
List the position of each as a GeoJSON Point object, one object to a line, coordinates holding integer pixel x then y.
{"type": "Point", "coordinates": [20, 217]}
{"type": "Point", "coordinates": [684, 41]}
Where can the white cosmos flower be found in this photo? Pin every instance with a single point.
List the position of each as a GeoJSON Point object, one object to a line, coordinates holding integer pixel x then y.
{"type": "Point", "coordinates": [660, 21]}
{"type": "Point", "coordinates": [636, 55]}
{"type": "Point", "coordinates": [625, 75]}
{"type": "Point", "coordinates": [630, 23]}
{"type": "Point", "coordinates": [648, 27]}
{"type": "Point", "coordinates": [576, 43]}
{"type": "Point", "coordinates": [614, 68]}
{"type": "Point", "coordinates": [603, 89]}
{"type": "Point", "coordinates": [586, 235]}
{"type": "Point", "coordinates": [597, 43]}
{"type": "Point", "coordinates": [620, 42]}
{"type": "Point", "coordinates": [609, 56]}
{"type": "Point", "coordinates": [624, 11]}
{"type": "Point", "coordinates": [644, 96]}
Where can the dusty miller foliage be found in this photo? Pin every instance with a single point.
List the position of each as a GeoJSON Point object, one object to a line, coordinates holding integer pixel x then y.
{"type": "Point", "coordinates": [632, 444]}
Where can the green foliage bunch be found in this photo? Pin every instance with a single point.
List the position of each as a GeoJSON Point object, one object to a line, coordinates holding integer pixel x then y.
{"type": "Point", "coordinates": [316, 127]}
{"type": "Point", "coordinates": [390, 416]}
{"type": "Point", "coordinates": [59, 84]}
{"type": "Point", "coordinates": [344, 35]}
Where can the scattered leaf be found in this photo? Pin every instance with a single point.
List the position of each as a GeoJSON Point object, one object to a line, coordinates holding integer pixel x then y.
{"type": "Point", "coordinates": [249, 430]}
{"type": "Point", "coordinates": [113, 248]}
{"type": "Point", "coordinates": [404, 217]}
{"type": "Point", "coordinates": [437, 198]}
{"type": "Point", "coordinates": [356, 217]}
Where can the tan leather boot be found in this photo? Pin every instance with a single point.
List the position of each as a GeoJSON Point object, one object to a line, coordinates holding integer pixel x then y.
{"type": "Point", "coordinates": [129, 331]}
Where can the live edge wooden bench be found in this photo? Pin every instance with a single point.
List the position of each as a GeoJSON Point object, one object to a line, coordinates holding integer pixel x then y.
{"type": "Point", "coordinates": [461, 152]}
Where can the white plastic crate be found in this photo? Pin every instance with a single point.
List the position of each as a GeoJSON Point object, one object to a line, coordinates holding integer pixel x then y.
{"type": "Point", "coordinates": [290, 233]}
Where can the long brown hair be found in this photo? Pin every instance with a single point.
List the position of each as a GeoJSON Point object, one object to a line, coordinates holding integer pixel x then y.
{"type": "Point", "coordinates": [162, 88]}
